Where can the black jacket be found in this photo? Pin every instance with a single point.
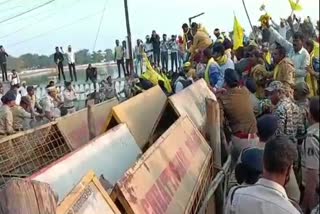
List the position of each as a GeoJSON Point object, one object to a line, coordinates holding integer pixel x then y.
{"type": "Point", "coordinates": [58, 56]}
{"type": "Point", "coordinates": [92, 74]}
{"type": "Point", "coordinates": [3, 57]}
{"type": "Point", "coordinates": [155, 43]}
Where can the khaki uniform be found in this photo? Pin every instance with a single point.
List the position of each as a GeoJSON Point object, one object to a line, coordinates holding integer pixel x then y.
{"type": "Point", "coordinates": [285, 72]}
{"type": "Point", "coordinates": [201, 41]}
{"type": "Point", "coordinates": [6, 121]}
{"type": "Point", "coordinates": [48, 105]}
{"type": "Point", "coordinates": [21, 118]}
{"type": "Point", "coordinates": [69, 97]}
{"type": "Point", "coordinates": [236, 108]}
{"type": "Point", "coordinates": [260, 74]}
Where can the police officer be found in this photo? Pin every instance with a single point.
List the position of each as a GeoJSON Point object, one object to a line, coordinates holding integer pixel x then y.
{"type": "Point", "coordinates": [6, 118]}
{"type": "Point", "coordinates": [22, 115]}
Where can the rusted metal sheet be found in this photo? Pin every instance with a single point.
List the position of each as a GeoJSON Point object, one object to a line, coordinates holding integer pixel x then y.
{"type": "Point", "coordinates": [168, 177]}
{"type": "Point", "coordinates": [110, 155]}
{"type": "Point", "coordinates": [141, 113]}
{"type": "Point", "coordinates": [75, 126]}
{"type": "Point", "coordinates": [191, 102]}
{"type": "Point", "coordinates": [88, 197]}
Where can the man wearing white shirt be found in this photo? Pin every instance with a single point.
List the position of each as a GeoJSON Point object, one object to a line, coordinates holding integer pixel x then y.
{"type": "Point", "coordinates": [69, 96]}
{"type": "Point", "coordinates": [71, 62]}
{"type": "Point", "coordinates": [296, 52]}
{"type": "Point", "coordinates": [268, 194]}
{"type": "Point", "coordinates": [14, 78]}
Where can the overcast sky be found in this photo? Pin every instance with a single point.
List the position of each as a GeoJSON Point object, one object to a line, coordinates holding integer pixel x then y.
{"type": "Point", "coordinates": [76, 22]}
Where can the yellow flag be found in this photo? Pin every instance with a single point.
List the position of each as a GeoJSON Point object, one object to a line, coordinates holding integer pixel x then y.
{"type": "Point", "coordinates": [295, 6]}
{"type": "Point", "coordinates": [237, 34]}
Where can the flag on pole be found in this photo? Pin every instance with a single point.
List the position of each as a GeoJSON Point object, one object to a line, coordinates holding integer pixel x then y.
{"type": "Point", "coordinates": [295, 6]}
{"type": "Point", "coordinates": [237, 34]}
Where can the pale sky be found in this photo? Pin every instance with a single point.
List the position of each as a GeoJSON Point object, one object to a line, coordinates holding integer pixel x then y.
{"type": "Point", "coordinates": [76, 22]}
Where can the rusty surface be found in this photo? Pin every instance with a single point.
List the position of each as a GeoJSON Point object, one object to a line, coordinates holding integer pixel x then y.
{"type": "Point", "coordinates": [157, 185]}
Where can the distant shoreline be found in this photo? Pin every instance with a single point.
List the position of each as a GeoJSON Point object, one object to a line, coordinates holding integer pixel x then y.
{"type": "Point", "coordinates": [38, 72]}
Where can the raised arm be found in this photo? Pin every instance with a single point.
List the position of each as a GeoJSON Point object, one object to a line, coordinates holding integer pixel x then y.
{"type": "Point", "coordinates": [279, 39]}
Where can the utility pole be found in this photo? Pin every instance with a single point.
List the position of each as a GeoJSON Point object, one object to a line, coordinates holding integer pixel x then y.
{"type": "Point", "coordinates": [128, 34]}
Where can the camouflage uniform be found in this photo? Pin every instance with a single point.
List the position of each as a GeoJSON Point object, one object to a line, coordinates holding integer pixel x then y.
{"type": "Point", "coordinates": [290, 119]}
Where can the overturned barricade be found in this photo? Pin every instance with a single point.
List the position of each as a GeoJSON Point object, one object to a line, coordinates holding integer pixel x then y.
{"type": "Point", "coordinates": [172, 176]}
{"type": "Point", "coordinates": [109, 156]}
{"type": "Point", "coordinates": [75, 127]}
{"type": "Point", "coordinates": [142, 114]}
{"type": "Point", "coordinates": [88, 197]}
{"type": "Point", "coordinates": [26, 152]}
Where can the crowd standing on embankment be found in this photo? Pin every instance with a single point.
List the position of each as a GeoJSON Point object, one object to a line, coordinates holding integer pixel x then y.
{"type": "Point", "coordinates": [266, 84]}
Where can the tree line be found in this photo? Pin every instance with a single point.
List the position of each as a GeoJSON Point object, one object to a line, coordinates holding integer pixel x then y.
{"type": "Point", "coordinates": [35, 61]}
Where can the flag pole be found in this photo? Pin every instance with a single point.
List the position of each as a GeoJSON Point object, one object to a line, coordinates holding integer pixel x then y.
{"type": "Point", "coordinates": [245, 8]}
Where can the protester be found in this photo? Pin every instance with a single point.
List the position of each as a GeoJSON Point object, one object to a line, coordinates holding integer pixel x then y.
{"type": "Point", "coordinates": [236, 109]}
{"type": "Point", "coordinates": [3, 63]}
{"type": "Point", "coordinates": [218, 53]}
{"type": "Point", "coordinates": [268, 194]}
{"type": "Point", "coordinates": [181, 54]}
{"type": "Point", "coordinates": [148, 48]}
{"type": "Point", "coordinates": [313, 73]}
{"type": "Point", "coordinates": [296, 52]}
{"type": "Point", "coordinates": [58, 60]}
{"type": "Point", "coordinates": [219, 36]}
{"type": "Point", "coordinates": [282, 28]}
{"type": "Point", "coordinates": [92, 74]}
{"type": "Point", "coordinates": [110, 90]}
{"type": "Point", "coordinates": [287, 112]}
{"type": "Point", "coordinates": [164, 52]}
{"type": "Point", "coordinates": [6, 117]}
{"type": "Point", "coordinates": [71, 63]}
{"type": "Point", "coordinates": [190, 71]}
{"type": "Point", "coordinates": [15, 90]}
{"type": "Point", "coordinates": [69, 96]}
{"type": "Point", "coordinates": [173, 48]}
{"type": "Point", "coordinates": [213, 74]}
{"type": "Point", "coordinates": [22, 115]}
{"type": "Point", "coordinates": [155, 40]}
{"type": "Point", "coordinates": [181, 82]}
{"type": "Point", "coordinates": [119, 58]}
{"type": "Point", "coordinates": [310, 159]}
{"type": "Point", "coordinates": [187, 36]}
{"type": "Point", "coordinates": [128, 58]}
{"type": "Point", "coordinates": [14, 78]}
{"type": "Point", "coordinates": [23, 89]}
{"type": "Point", "coordinates": [284, 70]}
{"type": "Point", "coordinates": [138, 51]}
{"type": "Point", "coordinates": [259, 73]}
{"type": "Point", "coordinates": [201, 41]}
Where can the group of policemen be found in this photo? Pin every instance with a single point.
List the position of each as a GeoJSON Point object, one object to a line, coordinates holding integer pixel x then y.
{"type": "Point", "coordinates": [21, 110]}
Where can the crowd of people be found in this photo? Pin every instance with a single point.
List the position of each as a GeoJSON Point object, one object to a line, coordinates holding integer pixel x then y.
{"type": "Point", "coordinates": [267, 89]}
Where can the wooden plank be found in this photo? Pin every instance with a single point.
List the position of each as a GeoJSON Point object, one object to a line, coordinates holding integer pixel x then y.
{"type": "Point", "coordinates": [110, 155]}
{"type": "Point", "coordinates": [166, 178]}
{"type": "Point", "coordinates": [191, 102]}
{"type": "Point", "coordinates": [88, 197]}
{"type": "Point", "coordinates": [37, 198]}
{"type": "Point", "coordinates": [140, 113]}
{"type": "Point", "coordinates": [75, 126]}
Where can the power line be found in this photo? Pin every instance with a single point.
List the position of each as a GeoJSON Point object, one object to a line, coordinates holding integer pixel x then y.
{"type": "Point", "coordinates": [56, 29]}
{"type": "Point", "coordinates": [48, 16]}
{"type": "Point", "coordinates": [101, 19]}
{"type": "Point", "coordinates": [28, 11]}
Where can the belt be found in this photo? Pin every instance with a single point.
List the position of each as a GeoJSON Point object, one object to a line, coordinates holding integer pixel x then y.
{"type": "Point", "coordinates": [68, 107]}
{"type": "Point", "coordinates": [243, 135]}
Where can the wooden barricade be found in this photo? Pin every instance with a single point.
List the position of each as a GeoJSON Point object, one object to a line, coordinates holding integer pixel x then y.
{"type": "Point", "coordinates": [75, 126]}
{"type": "Point", "coordinates": [88, 197]}
{"type": "Point", "coordinates": [26, 152]}
{"type": "Point", "coordinates": [141, 113]}
{"type": "Point", "coordinates": [191, 102]}
{"type": "Point", "coordinates": [172, 176]}
{"type": "Point", "coordinates": [109, 156]}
